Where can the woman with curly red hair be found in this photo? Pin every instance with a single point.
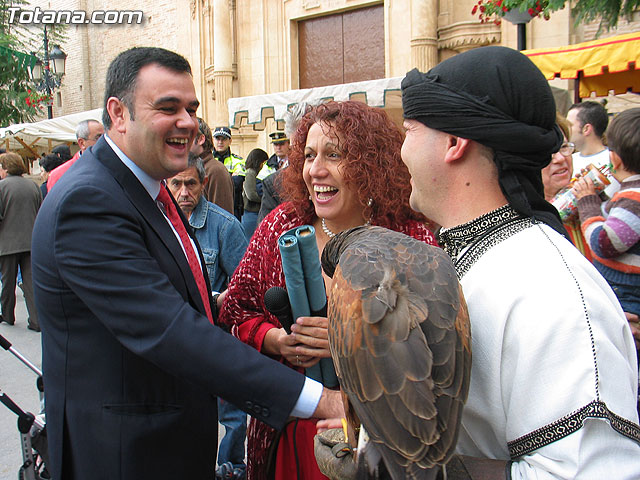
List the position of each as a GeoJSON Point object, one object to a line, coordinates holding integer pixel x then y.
{"type": "Point", "coordinates": [344, 170]}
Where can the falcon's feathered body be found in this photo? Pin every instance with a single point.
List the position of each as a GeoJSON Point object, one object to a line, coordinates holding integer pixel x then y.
{"type": "Point", "coordinates": [400, 341]}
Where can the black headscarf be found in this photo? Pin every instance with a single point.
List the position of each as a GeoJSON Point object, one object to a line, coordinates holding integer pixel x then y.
{"type": "Point", "coordinates": [497, 97]}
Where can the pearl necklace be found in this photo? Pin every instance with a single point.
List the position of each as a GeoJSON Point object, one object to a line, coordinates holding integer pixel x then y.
{"type": "Point", "coordinates": [330, 234]}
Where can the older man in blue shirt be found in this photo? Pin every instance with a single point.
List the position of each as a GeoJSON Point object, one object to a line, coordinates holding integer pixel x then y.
{"type": "Point", "coordinates": [223, 243]}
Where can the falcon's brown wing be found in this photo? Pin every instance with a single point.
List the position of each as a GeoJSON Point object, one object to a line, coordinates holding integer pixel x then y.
{"type": "Point", "coordinates": [399, 338]}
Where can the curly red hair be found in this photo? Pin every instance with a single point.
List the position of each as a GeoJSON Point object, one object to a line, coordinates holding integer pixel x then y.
{"type": "Point", "coordinates": [370, 144]}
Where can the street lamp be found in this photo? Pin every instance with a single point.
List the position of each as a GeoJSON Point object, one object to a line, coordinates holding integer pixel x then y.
{"type": "Point", "coordinates": [41, 71]}
{"type": "Point", "coordinates": [520, 19]}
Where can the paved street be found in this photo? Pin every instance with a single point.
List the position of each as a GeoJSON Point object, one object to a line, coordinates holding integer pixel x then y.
{"type": "Point", "coordinates": [19, 383]}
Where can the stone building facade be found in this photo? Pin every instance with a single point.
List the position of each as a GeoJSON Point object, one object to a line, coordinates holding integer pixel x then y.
{"type": "Point", "coordinates": [260, 47]}
{"type": "Point", "coordinates": [251, 47]}
{"type": "Point", "coordinates": [90, 47]}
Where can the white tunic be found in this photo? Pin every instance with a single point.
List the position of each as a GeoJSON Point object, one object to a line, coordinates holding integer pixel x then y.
{"type": "Point", "coordinates": [548, 339]}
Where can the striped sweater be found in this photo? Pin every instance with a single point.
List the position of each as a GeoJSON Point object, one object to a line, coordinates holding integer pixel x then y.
{"type": "Point", "coordinates": [613, 232]}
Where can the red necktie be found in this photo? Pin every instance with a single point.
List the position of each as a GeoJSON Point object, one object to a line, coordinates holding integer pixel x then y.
{"type": "Point", "coordinates": [172, 214]}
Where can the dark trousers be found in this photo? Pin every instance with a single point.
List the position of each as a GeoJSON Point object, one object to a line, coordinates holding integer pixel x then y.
{"type": "Point", "coordinates": [9, 270]}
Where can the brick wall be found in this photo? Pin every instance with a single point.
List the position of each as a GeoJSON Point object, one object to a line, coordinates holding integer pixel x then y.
{"type": "Point", "coordinates": [90, 48]}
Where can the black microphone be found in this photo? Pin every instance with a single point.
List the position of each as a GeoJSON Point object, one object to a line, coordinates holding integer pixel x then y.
{"type": "Point", "coordinates": [276, 300]}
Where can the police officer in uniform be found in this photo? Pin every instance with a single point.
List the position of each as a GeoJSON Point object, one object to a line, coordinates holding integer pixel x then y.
{"type": "Point", "coordinates": [234, 164]}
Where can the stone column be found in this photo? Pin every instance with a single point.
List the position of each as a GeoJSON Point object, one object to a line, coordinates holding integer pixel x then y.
{"type": "Point", "coordinates": [424, 34]}
{"type": "Point", "coordinates": [222, 60]}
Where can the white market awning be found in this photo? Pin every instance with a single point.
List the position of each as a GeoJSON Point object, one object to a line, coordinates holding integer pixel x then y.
{"type": "Point", "coordinates": [62, 129]}
{"type": "Point", "coordinates": [46, 132]}
{"type": "Point", "coordinates": [256, 109]}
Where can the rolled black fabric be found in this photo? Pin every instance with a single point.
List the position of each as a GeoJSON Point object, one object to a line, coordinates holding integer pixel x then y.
{"type": "Point", "coordinates": [497, 97]}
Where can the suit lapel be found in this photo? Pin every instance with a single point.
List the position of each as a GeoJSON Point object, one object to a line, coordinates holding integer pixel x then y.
{"type": "Point", "coordinates": [150, 211]}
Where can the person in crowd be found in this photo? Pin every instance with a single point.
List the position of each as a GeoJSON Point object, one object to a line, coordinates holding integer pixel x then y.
{"type": "Point", "coordinates": [132, 363]}
{"type": "Point", "coordinates": [281, 147]}
{"type": "Point", "coordinates": [250, 196]}
{"type": "Point", "coordinates": [20, 199]}
{"type": "Point", "coordinates": [344, 170]}
{"type": "Point", "coordinates": [557, 176]}
{"type": "Point", "coordinates": [234, 164]}
{"type": "Point", "coordinates": [613, 229]}
{"type": "Point", "coordinates": [47, 164]}
{"type": "Point", "coordinates": [270, 197]}
{"type": "Point", "coordinates": [589, 122]}
{"type": "Point", "coordinates": [63, 151]}
{"type": "Point", "coordinates": [219, 188]}
{"type": "Point", "coordinates": [554, 376]}
{"type": "Point", "coordinates": [223, 244]}
{"type": "Point", "coordinates": [218, 232]}
{"type": "Point", "coordinates": [88, 132]}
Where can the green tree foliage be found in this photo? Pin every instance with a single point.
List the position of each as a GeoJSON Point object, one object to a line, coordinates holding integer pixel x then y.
{"type": "Point", "coordinates": [607, 11]}
{"type": "Point", "coordinates": [19, 101]}
{"type": "Point", "coordinates": [14, 77]}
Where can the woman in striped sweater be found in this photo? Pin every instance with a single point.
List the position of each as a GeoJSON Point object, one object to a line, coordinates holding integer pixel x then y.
{"type": "Point", "coordinates": [612, 229]}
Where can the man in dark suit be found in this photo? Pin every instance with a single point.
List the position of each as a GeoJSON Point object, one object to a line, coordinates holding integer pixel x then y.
{"type": "Point", "coordinates": [270, 194]}
{"type": "Point", "coordinates": [132, 365]}
{"type": "Point", "coordinates": [270, 184]}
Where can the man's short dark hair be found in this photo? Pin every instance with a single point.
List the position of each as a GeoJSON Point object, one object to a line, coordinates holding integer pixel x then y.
{"type": "Point", "coordinates": [624, 138]}
{"type": "Point", "coordinates": [203, 129]}
{"type": "Point", "coordinates": [50, 161]}
{"type": "Point", "coordinates": [123, 73]}
{"type": "Point", "coordinates": [62, 151]}
{"type": "Point", "coordinates": [592, 113]}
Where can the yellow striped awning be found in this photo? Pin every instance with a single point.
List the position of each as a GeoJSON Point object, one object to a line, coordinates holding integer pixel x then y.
{"type": "Point", "coordinates": [604, 65]}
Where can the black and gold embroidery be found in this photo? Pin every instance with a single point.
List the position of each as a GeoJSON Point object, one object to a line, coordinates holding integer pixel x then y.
{"type": "Point", "coordinates": [570, 424]}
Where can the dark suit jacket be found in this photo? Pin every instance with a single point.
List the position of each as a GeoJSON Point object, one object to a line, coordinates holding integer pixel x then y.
{"type": "Point", "coordinates": [270, 196]}
{"type": "Point", "coordinates": [131, 363]}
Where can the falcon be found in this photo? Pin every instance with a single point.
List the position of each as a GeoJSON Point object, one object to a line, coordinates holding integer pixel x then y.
{"type": "Point", "coordinates": [400, 341]}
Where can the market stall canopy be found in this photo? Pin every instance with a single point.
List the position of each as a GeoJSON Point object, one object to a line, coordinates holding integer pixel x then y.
{"type": "Point", "coordinates": [256, 109]}
{"type": "Point", "coordinates": [45, 133]}
{"type": "Point", "coordinates": [600, 66]}
{"type": "Point", "coordinates": [62, 128]}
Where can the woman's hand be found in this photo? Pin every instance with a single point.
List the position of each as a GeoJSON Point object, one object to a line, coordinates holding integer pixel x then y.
{"type": "Point", "coordinates": [583, 187]}
{"type": "Point", "coordinates": [312, 339]}
{"type": "Point", "coordinates": [304, 347]}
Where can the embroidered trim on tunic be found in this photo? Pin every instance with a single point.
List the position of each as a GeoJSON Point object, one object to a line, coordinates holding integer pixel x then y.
{"type": "Point", "coordinates": [455, 239]}
{"type": "Point", "coordinates": [480, 235]}
{"type": "Point", "coordinates": [570, 424]}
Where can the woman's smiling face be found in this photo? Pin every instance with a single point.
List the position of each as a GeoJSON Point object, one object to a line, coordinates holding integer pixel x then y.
{"type": "Point", "coordinates": [323, 168]}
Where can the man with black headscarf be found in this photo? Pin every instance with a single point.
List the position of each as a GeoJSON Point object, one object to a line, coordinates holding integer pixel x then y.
{"type": "Point", "coordinates": [554, 378]}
